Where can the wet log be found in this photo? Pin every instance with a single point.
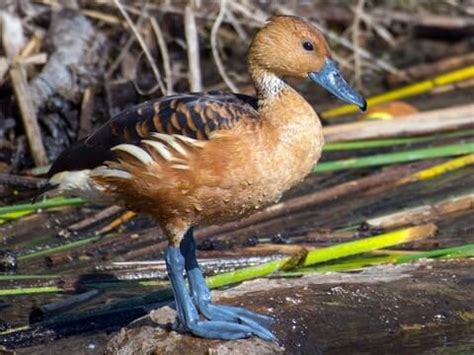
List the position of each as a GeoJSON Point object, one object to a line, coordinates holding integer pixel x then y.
{"type": "Point", "coordinates": [410, 308]}
{"type": "Point", "coordinates": [404, 309]}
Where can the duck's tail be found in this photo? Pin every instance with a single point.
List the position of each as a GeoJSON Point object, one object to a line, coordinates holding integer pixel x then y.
{"type": "Point", "coordinates": [48, 189]}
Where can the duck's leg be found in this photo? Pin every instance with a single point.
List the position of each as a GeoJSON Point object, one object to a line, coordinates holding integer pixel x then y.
{"type": "Point", "coordinates": [202, 297]}
{"type": "Point", "coordinates": [188, 314]}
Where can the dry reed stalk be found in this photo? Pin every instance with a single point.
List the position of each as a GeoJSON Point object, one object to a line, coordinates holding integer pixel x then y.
{"type": "Point", "coordinates": [192, 47]}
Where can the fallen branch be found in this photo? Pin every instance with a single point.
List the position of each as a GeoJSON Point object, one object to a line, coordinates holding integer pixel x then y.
{"type": "Point", "coordinates": [28, 113]}
{"type": "Point", "coordinates": [428, 122]}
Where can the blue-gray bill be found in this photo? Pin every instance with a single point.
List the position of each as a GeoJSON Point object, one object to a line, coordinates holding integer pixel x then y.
{"type": "Point", "coordinates": [332, 80]}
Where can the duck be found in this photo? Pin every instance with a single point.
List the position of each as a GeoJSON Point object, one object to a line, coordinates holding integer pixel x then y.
{"type": "Point", "coordinates": [196, 159]}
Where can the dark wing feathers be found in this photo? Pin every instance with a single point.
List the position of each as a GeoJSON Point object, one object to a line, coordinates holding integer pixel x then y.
{"type": "Point", "coordinates": [191, 115]}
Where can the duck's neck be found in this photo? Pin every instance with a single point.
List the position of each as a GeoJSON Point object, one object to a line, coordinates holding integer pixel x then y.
{"type": "Point", "coordinates": [268, 85]}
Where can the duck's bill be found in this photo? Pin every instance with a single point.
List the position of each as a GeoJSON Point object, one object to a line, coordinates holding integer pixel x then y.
{"type": "Point", "coordinates": [331, 79]}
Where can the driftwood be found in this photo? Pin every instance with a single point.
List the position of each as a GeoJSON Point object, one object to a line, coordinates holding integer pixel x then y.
{"type": "Point", "coordinates": [429, 122]}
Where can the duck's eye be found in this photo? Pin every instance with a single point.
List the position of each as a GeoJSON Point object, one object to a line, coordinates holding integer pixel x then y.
{"type": "Point", "coordinates": [308, 46]}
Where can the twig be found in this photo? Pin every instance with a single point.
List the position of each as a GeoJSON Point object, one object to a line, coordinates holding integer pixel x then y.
{"type": "Point", "coordinates": [87, 105]}
{"type": "Point", "coordinates": [164, 55]}
{"type": "Point", "coordinates": [192, 45]}
{"type": "Point", "coordinates": [128, 215]}
{"type": "Point", "coordinates": [28, 113]}
{"type": "Point", "coordinates": [95, 218]}
{"type": "Point", "coordinates": [355, 40]}
{"type": "Point", "coordinates": [145, 50]}
{"type": "Point", "coordinates": [215, 49]}
{"type": "Point", "coordinates": [237, 26]}
{"type": "Point", "coordinates": [125, 49]}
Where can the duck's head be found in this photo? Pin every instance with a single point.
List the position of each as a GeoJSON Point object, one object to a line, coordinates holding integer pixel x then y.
{"type": "Point", "coordinates": [291, 46]}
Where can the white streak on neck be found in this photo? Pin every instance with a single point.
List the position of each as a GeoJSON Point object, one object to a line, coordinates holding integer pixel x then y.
{"type": "Point", "coordinates": [268, 85]}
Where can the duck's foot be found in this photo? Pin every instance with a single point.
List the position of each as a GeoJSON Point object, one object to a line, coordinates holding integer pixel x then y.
{"type": "Point", "coordinates": [227, 329]}
{"type": "Point", "coordinates": [202, 299]}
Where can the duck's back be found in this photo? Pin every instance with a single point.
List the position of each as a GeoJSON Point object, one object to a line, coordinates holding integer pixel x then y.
{"type": "Point", "coordinates": [194, 115]}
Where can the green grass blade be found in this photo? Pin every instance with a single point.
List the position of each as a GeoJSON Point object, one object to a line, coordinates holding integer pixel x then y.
{"type": "Point", "coordinates": [27, 277]}
{"type": "Point", "coordinates": [380, 143]}
{"type": "Point", "coordinates": [368, 244]}
{"type": "Point", "coordinates": [7, 217]}
{"type": "Point", "coordinates": [50, 203]}
{"type": "Point", "coordinates": [60, 248]}
{"type": "Point", "coordinates": [247, 273]}
{"type": "Point", "coordinates": [29, 290]}
{"type": "Point", "coordinates": [393, 158]}
{"type": "Point", "coordinates": [463, 251]}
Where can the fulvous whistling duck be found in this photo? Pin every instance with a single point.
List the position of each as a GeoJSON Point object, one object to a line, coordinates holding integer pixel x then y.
{"type": "Point", "coordinates": [208, 158]}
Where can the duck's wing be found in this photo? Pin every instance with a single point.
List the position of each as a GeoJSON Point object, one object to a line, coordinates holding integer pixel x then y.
{"type": "Point", "coordinates": [191, 115]}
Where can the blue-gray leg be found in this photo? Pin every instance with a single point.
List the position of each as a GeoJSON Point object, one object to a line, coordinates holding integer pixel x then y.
{"type": "Point", "coordinates": [202, 297]}
{"type": "Point", "coordinates": [188, 314]}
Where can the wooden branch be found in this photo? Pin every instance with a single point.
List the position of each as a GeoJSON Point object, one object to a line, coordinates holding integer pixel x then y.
{"type": "Point", "coordinates": [164, 54]}
{"type": "Point", "coordinates": [87, 105]}
{"type": "Point", "coordinates": [28, 113]}
{"type": "Point", "coordinates": [425, 213]}
{"type": "Point", "coordinates": [215, 49]}
{"type": "Point", "coordinates": [95, 218]}
{"type": "Point", "coordinates": [192, 42]}
{"type": "Point", "coordinates": [428, 122]}
{"type": "Point", "coordinates": [141, 41]}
